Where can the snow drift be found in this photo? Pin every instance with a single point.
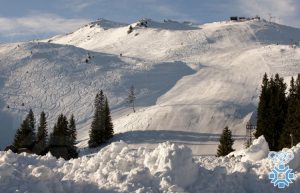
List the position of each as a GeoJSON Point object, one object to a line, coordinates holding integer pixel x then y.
{"type": "Point", "coordinates": [257, 151]}
{"type": "Point", "coordinates": [117, 168]}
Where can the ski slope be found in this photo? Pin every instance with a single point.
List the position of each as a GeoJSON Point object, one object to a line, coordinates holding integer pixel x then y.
{"type": "Point", "coordinates": [56, 79]}
{"type": "Point", "coordinates": [191, 80]}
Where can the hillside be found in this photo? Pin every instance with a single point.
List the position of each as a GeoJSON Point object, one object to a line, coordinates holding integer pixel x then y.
{"type": "Point", "coordinates": [56, 79]}
{"type": "Point", "coordinates": [191, 80]}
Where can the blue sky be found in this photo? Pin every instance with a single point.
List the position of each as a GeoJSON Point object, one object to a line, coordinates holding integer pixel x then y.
{"type": "Point", "coordinates": [34, 19]}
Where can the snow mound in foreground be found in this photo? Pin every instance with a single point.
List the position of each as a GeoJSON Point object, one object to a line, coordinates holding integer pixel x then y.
{"type": "Point", "coordinates": [117, 168]}
{"type": "Point", "coordinates": [295, 163]}
{"type": "Point", "coordinates": [172, 162]}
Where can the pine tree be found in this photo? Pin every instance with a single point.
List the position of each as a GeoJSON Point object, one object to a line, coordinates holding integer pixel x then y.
{"type": "Point", "coordinates": [72, 149]}
{"type": "Point", "coordinates": [262, 110]}
{"type": "Point", "coordinates": [109, 131]}
{"type": "Point", "coordinates": [58, 142]}
{"type": "Point", "coordinates": [25, 135]}
{"type": "Point", "coordinates": [19, 136]}
{"type": "Point", "coordinates": [276, 112]}
{"type": "Point", "coordinates": [60, 130]}
{"type": "Point", "coordinates": [97, 127]}
{"type": "Point", "coordinates": [226, 143]}
{"type": "Point", "coordinates": [31, 130]}
{"type": "Point", "coordinates": [282, 108]}
{"type": "Point", "coordinates": [296, 129]}
{"type": "Point", "coordinates": [291, 130]}
{"type": "Point", "coordinates": [72, 131]}
{"type": "Point", "coordinates": [297, 113]}
{"type": "Point", "coordinates": [42, 134]}
{"type": "Point", "coordinates": [131, 97]}
{"type": "Point", "coordinates": [31, 121]}
{"type": "Point", "coordinates": [272, 110]}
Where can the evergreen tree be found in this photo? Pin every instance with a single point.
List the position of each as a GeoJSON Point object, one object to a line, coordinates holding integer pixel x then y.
{"type": "Point", "coordinates": [60, 131]}
{"type": "Point", "coordinates": [72, 131]}
{"type": "Point", "coordinates": [131, 97]}
{"type": "Point", "coordinates": [72, 149]}
{"type": "Point", "coordinates": [31, 122]}
{"type": "Point", "coordinates": [20, 135]}
{"type": "Point", "coordinates": [17, 138]}
{"type": "Point", "coordinates": [30, 133]}
{"type": "Point", "coordinates": [262, 110]}
{"type": "Point", "coordinates": [58, 142]}
{"type": "Point", "coordinates": [291, 130]}
{"type": "Point", "coordinates": [97, 127]}
{"type": "Point", "coordinates": [109, 130]}
{"type": "Point", "coordinates": [95, 124]}
{"type": "Point", "coordinates": [296, 129]}
{"type": "Point", "coordinates": [271, 110]}
{"type": "Point", "coordinates": [226, 143]}
{"type": "Point", "coordinates": [276, 113]}
{"type": "Point", "coordinates": [25, 135]}
{"type": "Point", "coordinates": [42, 134]}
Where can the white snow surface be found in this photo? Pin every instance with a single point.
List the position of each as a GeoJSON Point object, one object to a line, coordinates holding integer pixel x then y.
{"type": "Point", "coordinates": [191, 80]}
{"type": "Point", "coordinates": [257, 151]}
{"type": "Point", "coordinates": [118, 168]}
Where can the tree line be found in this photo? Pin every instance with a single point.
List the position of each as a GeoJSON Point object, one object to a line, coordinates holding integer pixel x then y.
{"type": "Point", "coordinates": [61, 142]}
{"type": "Point", "coordinates": [278, 115]}
{"type": "Point", "coordinates": [278, 112]}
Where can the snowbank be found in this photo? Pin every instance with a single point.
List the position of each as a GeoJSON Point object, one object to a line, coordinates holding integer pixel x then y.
{"type": "Point", "coordinates": [172, 161]}
{"type": "Point", "coordinates": [117, 168]}
{"type": "Point", "coordinates": [257, 151]}
{"type": "Point", "coordinates": [295, 163]}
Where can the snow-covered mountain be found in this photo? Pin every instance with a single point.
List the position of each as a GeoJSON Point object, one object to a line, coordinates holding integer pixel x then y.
{"type": "Point", "coordinates": [191, 80]}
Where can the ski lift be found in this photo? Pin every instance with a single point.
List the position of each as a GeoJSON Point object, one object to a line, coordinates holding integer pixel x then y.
{"type": "Point", "coordinates": [249, 131]}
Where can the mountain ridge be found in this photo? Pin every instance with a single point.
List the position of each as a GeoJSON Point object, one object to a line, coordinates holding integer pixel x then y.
{"type": "Point", "coordinates": [197, 79]}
